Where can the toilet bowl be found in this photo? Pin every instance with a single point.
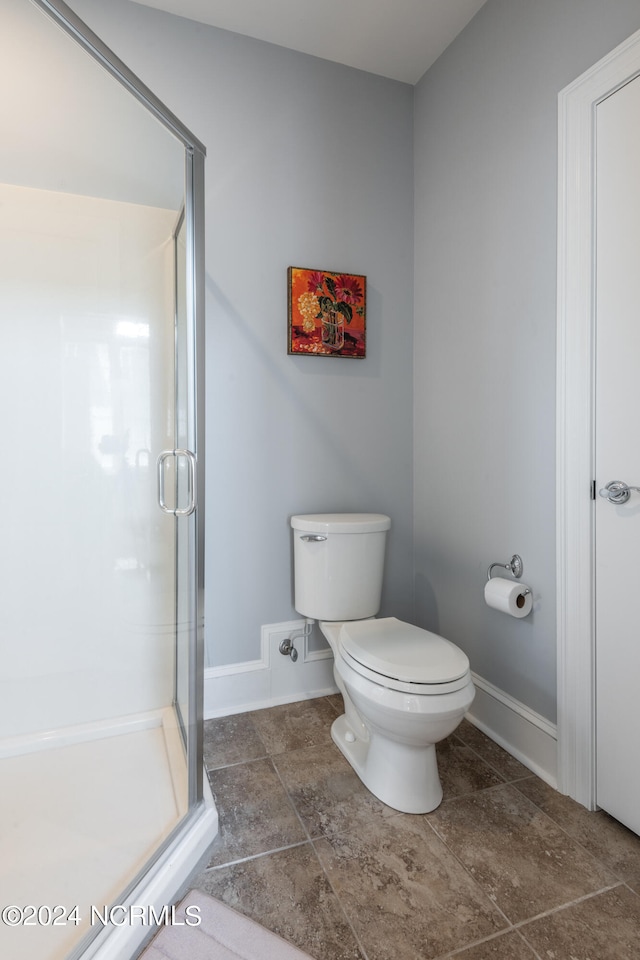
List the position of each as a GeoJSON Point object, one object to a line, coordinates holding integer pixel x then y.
{"type": "Point", "coordinates": [391, 725]}
{"type": "Point", "coordinates": [404, 688]}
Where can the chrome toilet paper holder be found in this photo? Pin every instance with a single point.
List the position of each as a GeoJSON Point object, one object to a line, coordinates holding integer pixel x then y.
{"type": "Point", "coordinates": [514, 566]}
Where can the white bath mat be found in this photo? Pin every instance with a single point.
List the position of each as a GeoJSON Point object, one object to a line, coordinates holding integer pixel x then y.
{"type": "Point", "coordinates": [221, 934]}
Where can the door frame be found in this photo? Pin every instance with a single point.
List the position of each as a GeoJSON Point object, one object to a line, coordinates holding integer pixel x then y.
{"type": "Point", "coordinates": [575, 448]}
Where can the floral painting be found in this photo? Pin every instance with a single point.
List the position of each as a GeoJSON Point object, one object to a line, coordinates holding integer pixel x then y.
{"type": "Point", "coordinates": [327, 313]}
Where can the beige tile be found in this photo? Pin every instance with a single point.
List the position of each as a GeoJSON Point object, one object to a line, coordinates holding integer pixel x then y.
{"type": "Point", "coordinates": [507, 946]}
{"type": "Point", "coordinates": [405, 894]}
{"type": "Point", "coordinates": [462, 770]}
{"type": "Point", "coordinates": [337, 703]}
{"type": "Point", "coordinates": [288, 893]}
{"type": "Point", "coordinates": [506, 765]}
{"type": "Point", "coordinates": [604, 927]}
{"type": "Point", "coordinates": [328, 796]}
{"type": "Point", "coordinates": [525, 849]}
{"type": "Point", "coordinates": [231, 740]}
{"type": "Point", "coordinates": [634, 883]}
{"type": "Point", "coordinates": [255, 813]}
{"type": "Point", "coordinates": [292, 726]}
{"type": "Point", "coordinates": [609, 841]}
{"type": "Point", "coordinates": [524, 861]}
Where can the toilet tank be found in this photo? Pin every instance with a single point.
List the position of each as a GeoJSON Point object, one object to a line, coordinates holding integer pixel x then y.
{"type": "Point", "coordinates": [338, 564]}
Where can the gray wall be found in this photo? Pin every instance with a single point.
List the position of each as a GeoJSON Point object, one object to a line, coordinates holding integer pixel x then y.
{"type": "Point", "coordinates": [309, 164]}
{"type": "Point", "coordinates": [485, 323]}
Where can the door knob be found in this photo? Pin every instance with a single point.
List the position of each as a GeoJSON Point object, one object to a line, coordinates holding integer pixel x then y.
{"type": "Point", "coordinates": [616, 491]}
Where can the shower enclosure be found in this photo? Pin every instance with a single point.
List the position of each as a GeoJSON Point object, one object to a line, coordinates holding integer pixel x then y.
{"type": "Point", "coordinates": [103, 808]}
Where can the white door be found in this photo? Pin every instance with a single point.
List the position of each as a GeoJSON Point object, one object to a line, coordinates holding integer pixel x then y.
{"type": "Point", "coordinates": [617, 564]}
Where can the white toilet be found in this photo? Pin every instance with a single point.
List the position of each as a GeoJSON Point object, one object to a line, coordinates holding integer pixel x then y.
{"type": "Point", "coordinates": [404, 688]}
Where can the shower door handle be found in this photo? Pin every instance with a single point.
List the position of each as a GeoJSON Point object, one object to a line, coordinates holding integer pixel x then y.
{"type": "Point", "coordinates": [191, 482]}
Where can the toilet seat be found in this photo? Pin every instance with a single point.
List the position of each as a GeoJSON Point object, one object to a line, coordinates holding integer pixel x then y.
{"type": "Point", "coordinates": [403, 657]}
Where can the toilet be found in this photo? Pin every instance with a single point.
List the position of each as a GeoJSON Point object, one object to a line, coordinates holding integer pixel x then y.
{"type": "Point", "coordinates": [404, 688]}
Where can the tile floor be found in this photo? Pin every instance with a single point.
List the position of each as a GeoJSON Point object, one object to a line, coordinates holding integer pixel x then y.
{"type": "Point", "coordinates": [504, 869]}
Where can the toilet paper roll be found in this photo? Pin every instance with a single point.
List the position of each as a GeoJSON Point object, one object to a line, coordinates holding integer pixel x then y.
{"type": "Point", "coordinates": [508, 596]}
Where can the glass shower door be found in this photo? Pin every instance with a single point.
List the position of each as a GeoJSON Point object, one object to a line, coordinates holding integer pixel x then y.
{"type": "Point", "coordinates": [178, 469]}
{"type": "Point", "coordinates": [99, 687]}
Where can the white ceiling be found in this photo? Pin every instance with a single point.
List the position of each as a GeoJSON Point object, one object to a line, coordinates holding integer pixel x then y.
{"type": "Point", "coordinates": [399, 39]}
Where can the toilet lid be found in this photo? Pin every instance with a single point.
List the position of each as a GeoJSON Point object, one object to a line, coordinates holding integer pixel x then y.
{"type": "Point", "coordinates": [402, 651]}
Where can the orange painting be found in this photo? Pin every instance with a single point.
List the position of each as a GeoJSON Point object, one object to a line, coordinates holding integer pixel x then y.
{"type": "Point", "coordinates": [327, 313]}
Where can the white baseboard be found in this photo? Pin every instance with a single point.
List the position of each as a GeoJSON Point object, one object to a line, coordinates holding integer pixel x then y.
{"type": "Point", "coordinates": [271, 680]}
{"type": "Point", "coordinates": [521, 731]}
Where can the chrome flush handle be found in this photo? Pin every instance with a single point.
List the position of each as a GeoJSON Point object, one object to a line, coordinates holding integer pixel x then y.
{"type": "Point", "coordinates": [312, 537]}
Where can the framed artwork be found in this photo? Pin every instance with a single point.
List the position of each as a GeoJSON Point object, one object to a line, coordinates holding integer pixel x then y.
{"type": "Point", "coordinates": [327, 313]}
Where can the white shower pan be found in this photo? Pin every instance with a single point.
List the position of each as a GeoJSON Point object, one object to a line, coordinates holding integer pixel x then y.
{"type": "Point", "coordinates": [79, 849]}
